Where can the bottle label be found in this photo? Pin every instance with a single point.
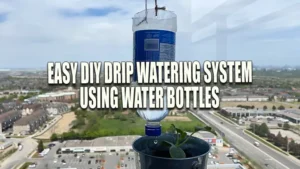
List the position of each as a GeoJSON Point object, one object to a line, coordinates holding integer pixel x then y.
{"type": "Point", "coordinates": [153, 130]}
{"type": "Point", "coordinates": [153, 46]}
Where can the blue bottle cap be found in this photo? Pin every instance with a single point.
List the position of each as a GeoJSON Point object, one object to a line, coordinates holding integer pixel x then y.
{"type": "Point", "coordinates": [153, 130]}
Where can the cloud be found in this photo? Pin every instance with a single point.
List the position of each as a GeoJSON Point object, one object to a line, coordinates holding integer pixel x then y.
{"type": "Point", "coordinates": [37, 31]}
{"type": "Point", "coordinates": [89, 12]}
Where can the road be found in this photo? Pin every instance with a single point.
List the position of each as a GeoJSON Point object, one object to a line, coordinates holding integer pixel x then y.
{"type": "Point", "coordinates": [20, 156]}
{"type": "Point", "coordinates": [262, 155]}
{"type": "Point", "coordinates": [29, 145]}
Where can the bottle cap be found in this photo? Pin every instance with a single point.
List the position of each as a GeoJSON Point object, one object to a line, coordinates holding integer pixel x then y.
{"type": "Point", "coordinates": [153, 130]}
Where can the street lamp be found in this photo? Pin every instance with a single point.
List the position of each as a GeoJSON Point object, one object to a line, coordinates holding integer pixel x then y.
{"type": "Point", "coordinates": [288, 144]}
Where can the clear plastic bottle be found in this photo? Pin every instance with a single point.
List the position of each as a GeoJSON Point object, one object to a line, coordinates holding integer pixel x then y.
{"type": "Point", "coordinates": [154, 36]}
{"type": "Point", "coordinates": [153, 119]}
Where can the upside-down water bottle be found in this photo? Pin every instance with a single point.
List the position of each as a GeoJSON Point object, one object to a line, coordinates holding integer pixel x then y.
{"type": "Point", "coordinates": [153, 119]}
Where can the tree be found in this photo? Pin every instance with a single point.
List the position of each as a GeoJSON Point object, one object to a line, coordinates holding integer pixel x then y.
{"type": "Point", "coordinates": [263, 130]}
{"type": "Point", "coordinates": [299, 107]}
{"type": "Point", "coordinates": [273, 108]}
{"type": "Point", "coordinates": [265, 107]}
{"type": "Point", "coordinates": [40, 146]}
{"type": "Point", "coordinates": [292, 146]}
{"type": "Point", "coordinates": [279, 125]}
{"type": "Point", "coordinates": [254, 127]}
{"type": "Point", "coordinates": [286, 126]}
{"type": "Point", "coordinates": [54, 137]}
{"type": "Point", "coordinates": [271, 137]}
{"type": "Point", "coordinates": [279, 140]}
{"type": "Point", "coordinates": [281, 107]}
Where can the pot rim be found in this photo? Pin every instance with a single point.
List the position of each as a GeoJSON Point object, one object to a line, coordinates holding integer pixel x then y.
{"type": "Point", "coordinates": [177, 159]}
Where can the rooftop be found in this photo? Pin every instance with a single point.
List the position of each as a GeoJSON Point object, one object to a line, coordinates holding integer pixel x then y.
{"type": "Point", "coordinates": [293, 115]}
{"type": "Point", "coordinates": [32, 106]}
{"type": "Point", "coordinates": [204, 134]}
{"type": "Point", "coordinates": [257, 96]}
{"type": "Point", "coordinates": [103, 141]}
{"type": "Point", "coordinates": [240, 96]}
{"type": "Point", "coordinates": [3, 116]}
{"type": "Point", "coordinates": [27, 119]}
{"type": "Point", "coordinates": [57, 94]}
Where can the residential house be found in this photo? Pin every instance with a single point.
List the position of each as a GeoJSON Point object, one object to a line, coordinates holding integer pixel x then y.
{"type": "Point", "coordinates": [7, 119]}
{"type": "Point", "coordinates": [30, 123]}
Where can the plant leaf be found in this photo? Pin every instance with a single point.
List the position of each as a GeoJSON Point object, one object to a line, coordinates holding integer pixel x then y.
{"type": "Point", "coordinates": [176, 152]}
{"type": "Point", "coordinates": [172, 129]}
{"type": "Point", "coordinates": [182, 134]}
{"type": "Point", "coordinates": [167, 143]}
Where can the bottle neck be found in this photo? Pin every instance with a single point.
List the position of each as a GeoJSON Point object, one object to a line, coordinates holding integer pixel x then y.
{"type": "Point", "coordinates": [153, 129]}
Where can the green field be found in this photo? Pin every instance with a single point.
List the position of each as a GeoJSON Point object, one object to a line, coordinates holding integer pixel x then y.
{"type": "Point", "coordinates": [97, 124]}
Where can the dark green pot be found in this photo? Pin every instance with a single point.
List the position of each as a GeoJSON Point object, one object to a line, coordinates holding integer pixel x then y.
{"type": "Point", "coordinates": [157, 157]}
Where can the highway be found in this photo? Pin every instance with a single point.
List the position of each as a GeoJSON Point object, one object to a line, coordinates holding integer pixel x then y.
{"type": "Point", "coordinates": [264, 156]}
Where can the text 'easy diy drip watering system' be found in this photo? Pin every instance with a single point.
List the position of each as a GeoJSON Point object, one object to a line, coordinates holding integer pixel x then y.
{"type": "Point", "coordinates": [154, 41]}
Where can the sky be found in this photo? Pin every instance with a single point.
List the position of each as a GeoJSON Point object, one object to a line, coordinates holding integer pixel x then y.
{"type": "Point", "coordinates": [34, 32]}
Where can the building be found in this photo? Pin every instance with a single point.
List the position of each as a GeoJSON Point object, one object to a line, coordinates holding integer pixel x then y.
{"type": "Point", "coordinates": [241, 112]}
{"type": "Point", "coordinates": [29, 108]}
{"type": "Point", "coordinates": [59, 96]}
{"type": "Point", "coordinates": [10, 105]}
{"type": "Point", "coordinates": [100, 145]}
{"type": "Point", "coordinates": [57, 108]}
{"type": "Point", "coordinates": [234, 98]}
{"type": "Point", "coordinates": [257, 98]}
{"type": "Point", "coordinates": [291, 115]}
{"type": "Point", "coordinates": [209, 137]}
{"type": "Point", "coordinates": [30, 122]}
{"type": "Point", "coordinates": [7, 119]}
{"type": "Point", "coordinates": [291, 99]}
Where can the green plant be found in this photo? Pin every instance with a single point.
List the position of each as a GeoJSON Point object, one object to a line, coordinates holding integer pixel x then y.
{"type": "Point", "coordinates": [181, 137]}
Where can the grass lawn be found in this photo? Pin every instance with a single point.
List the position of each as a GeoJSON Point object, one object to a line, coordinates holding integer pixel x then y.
{"type": "Point", "coordinates": [130, 124]}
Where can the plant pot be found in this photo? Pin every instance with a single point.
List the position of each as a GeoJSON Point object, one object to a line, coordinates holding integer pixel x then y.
{"type": "Point", "coordinates": [156, 156]}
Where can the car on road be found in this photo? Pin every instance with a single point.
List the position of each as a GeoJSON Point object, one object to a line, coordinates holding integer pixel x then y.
{"type": "Point", "coordinates": [55, 161]}
{"type": "Point", "coordinates": [235, 161]}
{"type": "Point", "coordinates": [51, 145]}
{"type": "Point", "coordinates": [33, 165]}
{"type": "Point", "coordinates": [256, 144]}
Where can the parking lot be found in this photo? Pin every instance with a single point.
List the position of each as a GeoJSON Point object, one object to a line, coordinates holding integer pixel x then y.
{"type": "Point", "coordinates": [88, 161]}
{"type": "Point", "coordinates": [220, 156]}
